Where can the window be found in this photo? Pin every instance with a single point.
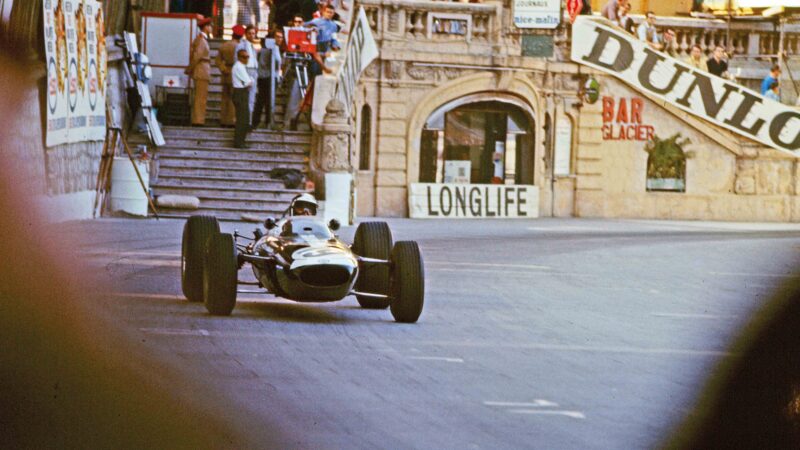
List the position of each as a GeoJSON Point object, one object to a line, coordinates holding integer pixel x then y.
{"type": "Point", "coordinates": [666, 164]}
{"type": "Point", "coordinates": [364, 138]}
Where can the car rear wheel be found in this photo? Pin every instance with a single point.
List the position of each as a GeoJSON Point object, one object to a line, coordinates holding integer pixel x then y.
{"type": "Point", "coordinates": [373, 240]}
{"type": "Point", "coordinates": [220, 277]}
{"type": "Point", "coordinates": [407, 282]}
{"type": "Point", "coordinates": [196, 232]}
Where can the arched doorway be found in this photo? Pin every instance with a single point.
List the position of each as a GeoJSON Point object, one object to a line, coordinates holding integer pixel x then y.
{"type": "Point", "coordinates": [478, 140]}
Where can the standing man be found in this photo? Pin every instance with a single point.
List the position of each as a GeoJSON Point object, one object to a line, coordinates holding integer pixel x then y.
{"type": "Point", "coordinates": [717, 64]}
{"type": "Point", "coordinates": [696, 58]}
{"type": "Point", "coordinates": [611, 9]}
{"type": "Point", "coordinates": [269, 64]}
{"type": "Point", "coordinates": [226, 57]}
{"type": "Point", "coordinates": [252, 62]}
{"type": "Point", "coordinates": [241, 91]}
{"type": "Point", "coordinates": [774, 75]}
{"type": "Point", "coordinates": [200, 71]}
{"type": "Point", "coordinates": [647, 31]}
{"type": "Point", "coordinates": [326, 40]}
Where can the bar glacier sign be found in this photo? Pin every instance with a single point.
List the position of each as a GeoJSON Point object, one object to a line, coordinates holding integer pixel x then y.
{"type": "Point", "coordinates": [597, 44]}
{"type": "Point", "coordinates": [472, 201]}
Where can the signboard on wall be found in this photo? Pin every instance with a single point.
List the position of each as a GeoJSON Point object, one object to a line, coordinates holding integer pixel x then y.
{"type": "Point", "coordinates": [537, 13]}
{"type": "Point", "coordinates": [622, 120]}
{"type": "Point", "coordinates": [721, 102]}
{"type": "Point", "coordinates": [76, 63]}
{"type": "Point", "coordinates": [472, 201]}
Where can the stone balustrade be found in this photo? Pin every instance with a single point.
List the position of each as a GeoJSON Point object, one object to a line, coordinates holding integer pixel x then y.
{"type": "Point", "coordinates": [433, 22]}
{"type": "Point", "coordinates": [490, 25]}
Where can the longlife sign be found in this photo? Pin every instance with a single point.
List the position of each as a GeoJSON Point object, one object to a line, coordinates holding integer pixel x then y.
{"type": "Point", "coordinates": [472, 201]}
{"type": "Point", "coordinates": [360, 52]}
{"type": "Point", "coordinates": [698, 92]}
{"type": "Point", "coordinates": [76, 71]}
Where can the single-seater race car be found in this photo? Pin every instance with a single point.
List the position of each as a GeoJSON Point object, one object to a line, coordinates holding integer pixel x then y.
{"type": "Point", "coordinates": [300, 258]}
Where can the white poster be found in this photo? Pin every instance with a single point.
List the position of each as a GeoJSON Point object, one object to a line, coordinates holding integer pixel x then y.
{"type": "Point", "coordinates": [472, 201]}
{"type": "Point", "coordinates": [563, 148]}
{"type": "Point", "coordinates": [719, 101]}
{"type": "Point", "coordinates": [76, 71]}
{"type": "Point", "coordinates": [537, 13]}
{"type": "Point", "coordinates": [360, 52]}
{"type": "Point", "coordinates": [457, 171]}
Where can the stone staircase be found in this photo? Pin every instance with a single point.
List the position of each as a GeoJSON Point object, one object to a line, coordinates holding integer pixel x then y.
{"type": "Point", "coordinates": [229, 182]}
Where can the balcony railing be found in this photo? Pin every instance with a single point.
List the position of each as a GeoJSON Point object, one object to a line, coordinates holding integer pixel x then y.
{"type": "Point", "coordinates": [489, 26]}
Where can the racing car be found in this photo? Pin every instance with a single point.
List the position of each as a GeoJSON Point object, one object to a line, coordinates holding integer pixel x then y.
{"type": "Point", "coordinates": [300, 258]}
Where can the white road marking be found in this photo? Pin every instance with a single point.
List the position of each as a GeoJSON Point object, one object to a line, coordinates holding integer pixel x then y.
{"type": "Point", "coordinates": [693, 316]}
{"type": "Point", "coordinates": [175, 331]}
{"type": "Point", "coordinates": [510, 272]}
{"type": "Point", "coordinates": [114, 253]}
{"type": "Point", "coordinates": [136, 262]}
{"type": "Point", "coordinates": [749, 274]}
{"type": "Point", "coordinates": [573, 414]}
{"type": "Point", "coordinates": [437, 358]}
{"type": "Point", "coordinates": [534, 404]}
{"type": "Point", "coordinates": [177, 297]}
{"type": "Point", "coordinates": [515, 266]}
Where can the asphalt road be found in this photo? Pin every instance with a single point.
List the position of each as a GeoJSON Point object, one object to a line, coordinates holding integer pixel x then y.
{"type": "Point", "coordinates": [535, 334]}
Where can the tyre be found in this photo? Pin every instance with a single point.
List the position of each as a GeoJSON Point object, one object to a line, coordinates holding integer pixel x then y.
{"type": "Point", "coordinates": [196, 232]}
{"type": "Point", "coordinates": [373, 240]}
{"type": "Point", "coordinates": [407, 282]}
{"type": "Point", "coordinates": [220, 275]}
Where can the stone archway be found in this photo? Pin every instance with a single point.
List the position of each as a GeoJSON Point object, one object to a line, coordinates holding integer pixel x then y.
{"type": "Point", "coordinates": [503, 87]}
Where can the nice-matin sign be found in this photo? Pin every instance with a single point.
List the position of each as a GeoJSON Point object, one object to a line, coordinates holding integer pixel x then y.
{"type": "Point", "coordinates": [715, 99]}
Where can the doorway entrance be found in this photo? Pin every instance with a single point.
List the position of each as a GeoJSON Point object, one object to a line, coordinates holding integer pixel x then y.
{"type": "Point", "coordinates": [483, 142]}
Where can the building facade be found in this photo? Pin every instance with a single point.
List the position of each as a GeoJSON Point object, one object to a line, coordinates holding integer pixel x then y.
{"type": "Point", "coordinates": [461, 103]}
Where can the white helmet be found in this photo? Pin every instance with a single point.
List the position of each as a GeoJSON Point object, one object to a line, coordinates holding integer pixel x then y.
{"type": "Point", "coordinates": [303, 205]}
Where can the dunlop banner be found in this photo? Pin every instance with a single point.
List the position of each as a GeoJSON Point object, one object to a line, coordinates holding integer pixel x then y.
{"type": "Point", "coordinates": [360, 52]}
{"type": "Point", "coordinates": [472, 201]}
{"type": "Point", "coordinates": [597, 44]}
{"type": "Point", "coordinates": [76, 71]}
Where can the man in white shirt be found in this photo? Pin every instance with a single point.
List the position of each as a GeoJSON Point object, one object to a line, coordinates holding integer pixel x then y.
{"type": "Point", "coordinates": [647, 32]}
{"type": "Point", "coordinates": [252, 62]}
{"type": "Point", "coordinates": [242, 82]}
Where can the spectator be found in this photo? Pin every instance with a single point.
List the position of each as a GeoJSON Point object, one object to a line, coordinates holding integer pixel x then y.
{"type": "Point", "coordinates": [773, 77]}
{"type": "Point", "coordinates": [297, 21]}
{"type": "Point", "coordinates": [611, 9]}
{"type": "Point", "coordinates": [625, 21]}
{"type": "Point", "coordinates": [326, 40]}
{"type": "Point", "coordinates": [252, 62]}
{"type": "Point", "coordinates": [670, 44]}
{"type": "Point", "coordinates": [226, 57]}
{"type": "Point", "coordinates": [648, 33]}
{"type": "Point", "coordinates": [696, 58]}
{"type": "Point", "coordinates": [241, 91]}
{"type": "Point", "coordinates": [717, 63]}
{"type": "Point", "coordinates": [200, 71]}
{"type": "Point", "coordinates": [773, 93]}
{"type": "Point", "coordinates": [586, 9]}
{"type": "Point", "coordinates": [269, 63]}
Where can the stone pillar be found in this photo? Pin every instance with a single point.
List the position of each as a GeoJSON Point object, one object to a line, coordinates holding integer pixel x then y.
{"type": "Point", "coordinates": [331, 146]}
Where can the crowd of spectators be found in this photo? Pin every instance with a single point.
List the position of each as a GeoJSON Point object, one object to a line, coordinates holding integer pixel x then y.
{"type": "Point", "coordinates": [252, 68]}
{"type": "Point", "coordinates": [665, 41]}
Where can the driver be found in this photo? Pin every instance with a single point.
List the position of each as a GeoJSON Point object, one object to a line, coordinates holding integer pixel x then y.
{"type": "Point", "coordinates": [304, 205]}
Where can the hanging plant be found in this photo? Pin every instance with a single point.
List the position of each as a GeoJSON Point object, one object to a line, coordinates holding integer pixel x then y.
{"type": "Point", "coordinates": [666, 163]}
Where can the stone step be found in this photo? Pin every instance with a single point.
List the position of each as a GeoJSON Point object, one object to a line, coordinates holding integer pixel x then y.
{"type": "Point", "coordinates": [165, 171]}
{"type": "Point", "coordinates": [220, 214]}
{"type": "Point", "coordinates": [300, 137]}
{"type": "Point", "coordinates": [164, 188]}
{"type": "Point", "coordinates": [218, 182]}
{"type": "Point", "coordinates": [287, 154]}
{"type": "Point", "coordinates": [224, 144]}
